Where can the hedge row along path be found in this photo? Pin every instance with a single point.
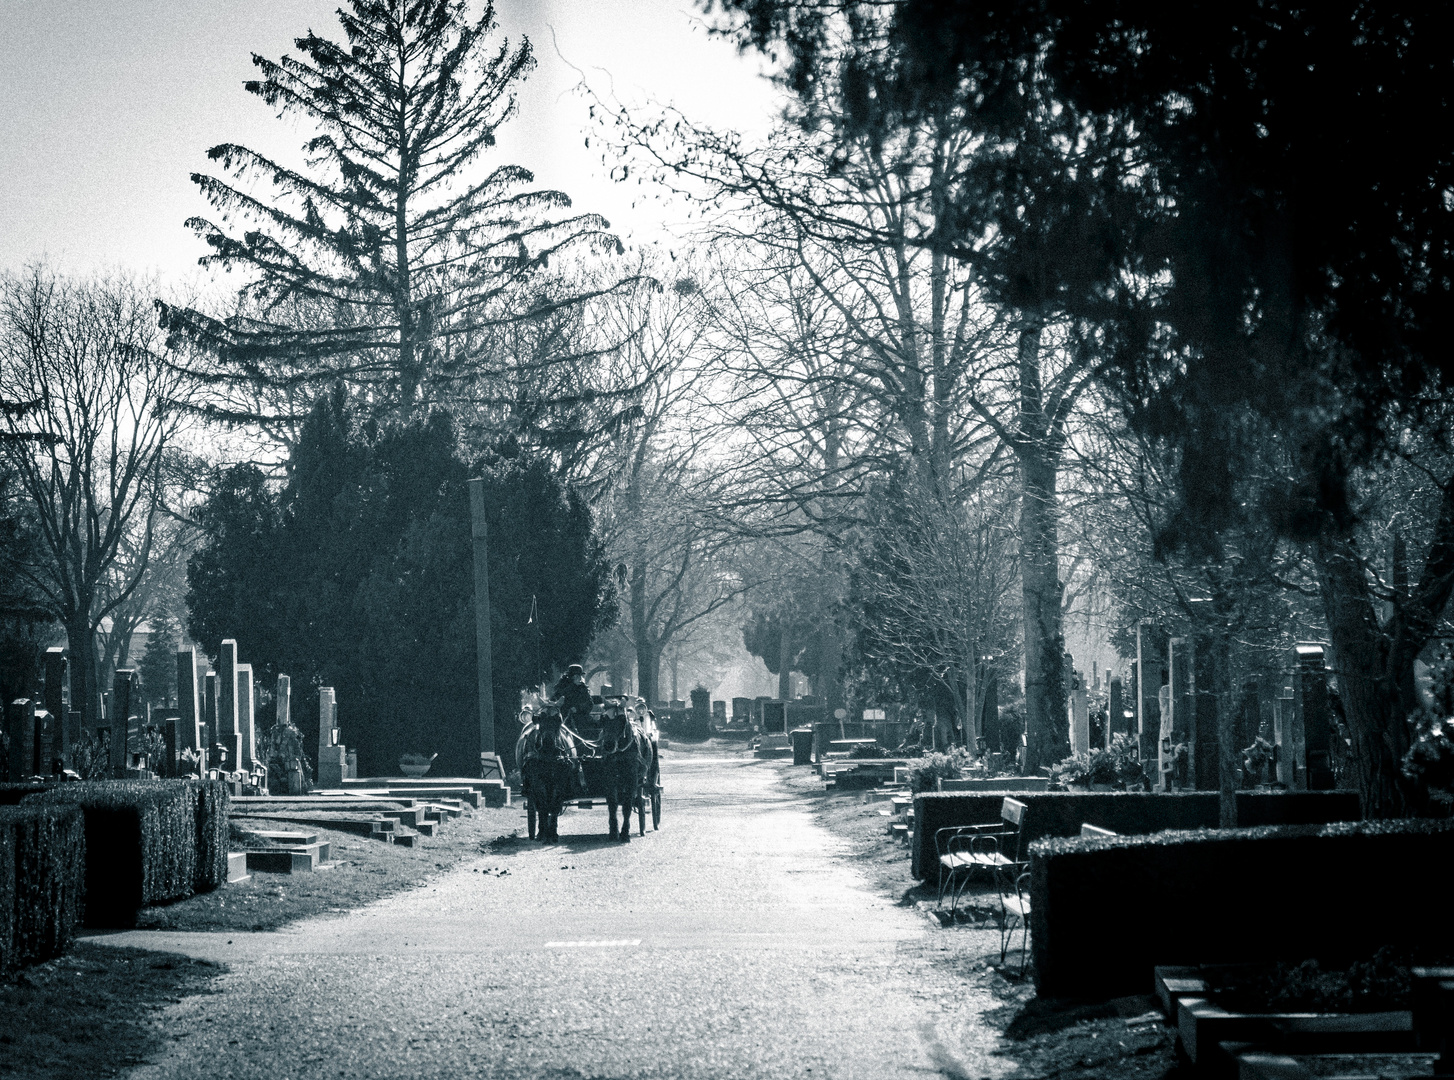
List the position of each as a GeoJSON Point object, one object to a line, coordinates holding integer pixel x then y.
{"type": "Point", "coordinates": [737, 941]}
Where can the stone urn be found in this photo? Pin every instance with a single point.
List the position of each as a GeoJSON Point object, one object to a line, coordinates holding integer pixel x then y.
{"type": "Point", "coordinates": [416, 765]}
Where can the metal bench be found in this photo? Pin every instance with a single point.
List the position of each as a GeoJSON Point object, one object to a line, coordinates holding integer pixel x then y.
{"type": "Point", "coordinates": [963, 849]}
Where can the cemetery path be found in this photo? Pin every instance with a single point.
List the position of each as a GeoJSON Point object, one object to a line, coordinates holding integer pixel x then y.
{"type": "Point", "coordinates": [739, 941]}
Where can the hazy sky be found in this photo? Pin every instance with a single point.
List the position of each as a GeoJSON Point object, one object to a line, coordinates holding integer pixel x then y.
{"type": "Point", "coordinates": [110, 105]}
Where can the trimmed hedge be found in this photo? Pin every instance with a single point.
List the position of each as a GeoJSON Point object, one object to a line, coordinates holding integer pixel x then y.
{"type": "Point", "coordinates": [1061, 813]}
{"type": "Point", "coordinates": [11, 794]}
{"type": "Point", "coordinates": [212, 838]}
{"type": "Point", "coordinates": [1106, 911]}
{"type": "Point", "coordinates": [141, 843]}
{"type": "Point", "coordinates": [42, 882]}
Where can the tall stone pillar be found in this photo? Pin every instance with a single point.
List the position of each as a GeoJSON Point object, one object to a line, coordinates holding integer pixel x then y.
{"type": "Point", "coordinates": [20, 729]}
{"type": "Point", "coordinates": [332, 758]}
{"type": "Point", "coordinates": [246, 718]}
{"type": "Point", "coordinates": [1311, 688]}
{"type": "Point", "coordinates": [283, 700]}
{"type": "Point", "coordinates": [119, 717]}
{"type": "Point", "coordinates": [210, 735]}
{"type": "Point", "coordinates": [1115, 710]}
{"type": "Point", "coordinates": [187, 703]}
{"type": "Point", "coordinates": [1079, 719]}
{"type": "Point", "coordinates": [57, 705]}
{"type": "Point", "coordinates": [228, 733]}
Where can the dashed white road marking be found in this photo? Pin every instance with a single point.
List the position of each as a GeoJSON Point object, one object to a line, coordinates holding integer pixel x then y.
{"type": "Point", "coordinates": [592, 944]}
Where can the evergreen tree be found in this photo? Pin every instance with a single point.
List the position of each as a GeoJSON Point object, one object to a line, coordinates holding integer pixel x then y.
{"type": "Point", "coordinates": [392, 258]}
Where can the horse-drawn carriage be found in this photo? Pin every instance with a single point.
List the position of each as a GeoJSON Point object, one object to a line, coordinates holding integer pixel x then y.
{"type": "Point", "coordinates": [612, 755]}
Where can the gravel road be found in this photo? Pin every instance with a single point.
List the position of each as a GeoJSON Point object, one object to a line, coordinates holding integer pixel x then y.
{"type": "Point", "coordinates": [739, 941]}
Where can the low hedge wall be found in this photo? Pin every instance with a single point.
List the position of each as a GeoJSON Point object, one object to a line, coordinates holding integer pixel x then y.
{"type": "Point", "coordinates": [212, 838]}
{"type": "Point", "coordinates": [42, 882]}
{"type": "Point", "coordinates": [11, 794]}
{"type": "Point", "coordinates": [1061, 813]}
{"type": "Point", "coordinates": [1105, 911]}
{"type": "Point", "coordinates": [142, 840]}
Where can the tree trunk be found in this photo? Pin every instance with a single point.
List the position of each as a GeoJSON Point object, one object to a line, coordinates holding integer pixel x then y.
{"type": "Point", "coordinates": [1377, 724]}
{"type": "Point", "coordinates": [785, 663]}
{"type": "Point", "coordinates": [648, 649]}
{"type": "Point", "coordinates": [85, 689]}
{"type": "Point", "coordinates": [1047, 726]}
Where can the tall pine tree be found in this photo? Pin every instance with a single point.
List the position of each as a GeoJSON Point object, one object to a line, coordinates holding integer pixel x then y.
{"type": "Point", "coordinates": [392, 258]}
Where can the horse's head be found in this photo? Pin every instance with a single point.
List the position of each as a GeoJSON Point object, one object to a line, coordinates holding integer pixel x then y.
{"type": "Point", "coordinates": [616, 728]}
{"type": "Point", "coordinates": [548, 722]}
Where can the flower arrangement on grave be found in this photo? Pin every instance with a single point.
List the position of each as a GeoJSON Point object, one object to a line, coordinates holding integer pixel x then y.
{"type": "Point", "coordinates": [1258, 758]}
{"type": "Point", "coordinates": [189, 762]}
{"type": "Point", "coordinates": [1072, 771]}
{"type": "Point", "coordinates": [153, 749]}
{"type": "Point", "coordinates": [1101, 767]}
{"type": "Point", "coordinates": [936, 767]}
{"type": "Point", "coordinates": [1125, 753]}
{"type": "Point", "coordinates": [91, 756]}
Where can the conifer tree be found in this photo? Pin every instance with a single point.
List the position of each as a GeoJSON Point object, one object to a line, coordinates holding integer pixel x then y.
{"type": "Point", "coordinates": [394, 256]}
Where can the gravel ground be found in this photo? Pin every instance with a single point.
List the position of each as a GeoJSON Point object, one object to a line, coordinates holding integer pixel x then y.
{"type": "Point", "coordinates": [742, 940]}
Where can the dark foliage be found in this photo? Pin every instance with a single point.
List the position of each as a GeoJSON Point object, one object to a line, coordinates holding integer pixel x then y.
{"type": "Point", "coordinates": [359, 575]}
{"type": "Point", "coordinates": [42, 882]}
{"type": "Point", "coordinates": [141, 843]}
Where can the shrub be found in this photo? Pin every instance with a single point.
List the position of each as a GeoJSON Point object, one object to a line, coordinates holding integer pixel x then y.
{"type": "Point", "coordinates": [1224, 896]}
{"type": "Point", "coordinates": [42, 882]}
{"type": "Point", "coordinates": [142, 839]}
{"type": "Point", "coordinates": [936, 767]}
{"type": "Point", "coordinates": [212, 839]}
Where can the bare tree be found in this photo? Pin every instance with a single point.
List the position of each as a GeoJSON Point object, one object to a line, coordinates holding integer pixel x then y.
{"type": "Point", "coordinates": [89, 454]}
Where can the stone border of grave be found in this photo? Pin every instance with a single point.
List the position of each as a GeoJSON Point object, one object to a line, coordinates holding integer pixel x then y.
{"type": "Point", "coordinates": [1232, 896]}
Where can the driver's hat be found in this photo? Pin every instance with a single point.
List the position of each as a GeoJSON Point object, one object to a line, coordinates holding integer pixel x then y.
{"type": "Point", "coordinates": [575, 669]}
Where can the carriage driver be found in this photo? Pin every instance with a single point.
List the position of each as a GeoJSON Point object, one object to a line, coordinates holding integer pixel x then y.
{"type": "Point", "coordinates": [571, 692]}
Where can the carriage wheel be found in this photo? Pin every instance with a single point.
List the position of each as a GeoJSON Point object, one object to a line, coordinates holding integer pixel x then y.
{"type": "Point", "coordinates": [656, 809]}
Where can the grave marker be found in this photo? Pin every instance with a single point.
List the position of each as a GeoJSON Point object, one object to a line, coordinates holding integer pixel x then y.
{"type": "Point", "coordinates": [1079, 719]}
{"type": "Point", "coordinates": [187, 699]}
{"type": "Point", "coordinates": [332, 758]}
{"type": "Point", "coordinates": [1115, 711]}
{"type": "Point", "coordinates": [228, 732]}
{"type": "Point", "coordinates": [56, 704]}
{"type": "Point", "coordinates": [210, 734]}
{"type": "Point", "coordinates": [119, 718]}
{"type": "Point", "coordinates": [1317, 725]}
{"type": "Point", "coordinates": [246, 718]}
{"type": "Point", "coordinates": [20, 730]}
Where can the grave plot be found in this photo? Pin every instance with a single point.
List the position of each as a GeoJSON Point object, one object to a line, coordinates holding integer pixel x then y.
{"type": "Point", "coordinates": [1268, 1022]}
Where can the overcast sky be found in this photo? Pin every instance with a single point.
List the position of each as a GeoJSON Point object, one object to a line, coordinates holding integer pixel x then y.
{"type": "Point", "coordinates": [110, 105]}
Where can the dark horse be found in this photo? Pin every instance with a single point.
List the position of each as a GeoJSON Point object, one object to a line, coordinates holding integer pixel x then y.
{"type": "Point", "coordinates": [548, 772]}
{"type": "Point", "coordinates": [628, 755]}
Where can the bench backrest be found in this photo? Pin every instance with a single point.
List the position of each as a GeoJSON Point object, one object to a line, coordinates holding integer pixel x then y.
{"type": "Point", "coordinates": [1013, 812]}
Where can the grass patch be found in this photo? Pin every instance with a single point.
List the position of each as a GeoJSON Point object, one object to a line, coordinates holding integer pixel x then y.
{"type": "Point", "coordinates": [93, 1012]}
{"type": "Point", "coordinates": [363, 871]}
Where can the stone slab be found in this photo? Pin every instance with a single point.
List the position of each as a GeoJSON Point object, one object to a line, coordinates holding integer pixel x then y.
{"type": "Point", "coordinates": [237, 867]}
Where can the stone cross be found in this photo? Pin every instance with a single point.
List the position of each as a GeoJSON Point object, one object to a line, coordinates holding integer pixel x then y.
{"type": "Point", "coordinates": [187, 698]}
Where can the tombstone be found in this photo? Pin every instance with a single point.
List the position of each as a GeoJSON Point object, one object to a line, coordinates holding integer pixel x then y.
{"type": "Point", "coordinates": [1079, 720]}
{"type": "Point", "coordinates": [187, 699]}
{"type": "Point", "coordinates": [1317, 724]}
{"type": "Point", "coordinates": [352, 763]}
{"type": "Point", "coordinates": [20, 730]}
{"type": "Point", "coordinates": [283, 701]}
{"type": "Point", "coordinates": [209, 711]}
{"type": "Point", "coordinates": [1284, 720]}
{"type": "Point", "coordinates": [989, 713]}
{"type": "Point", "coordinates": [174, 737]}
{"type": "Point", "coordinates": [1165, 755]}
{"type": "Point", "coordinates": [774, 718]}
{"type": "Point", "coordinates": [47, 760]}
{"type": "Point", "coordinates": [119, 719]}
{"type": "Point", "coordinates": [246, 718]}
{"type": "Point", "coordinates": [741, 710]}
{"type": "Point", "coordinates": [229, 734]}
{"type": "Point", "coordinates": [1115, 711]}
{"type": "Point", "coordinates": [719, 712]}
{"type": "Point", "coordinates": [56, 704]}
{"type": "Point", "coordinates": [332, 758]}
